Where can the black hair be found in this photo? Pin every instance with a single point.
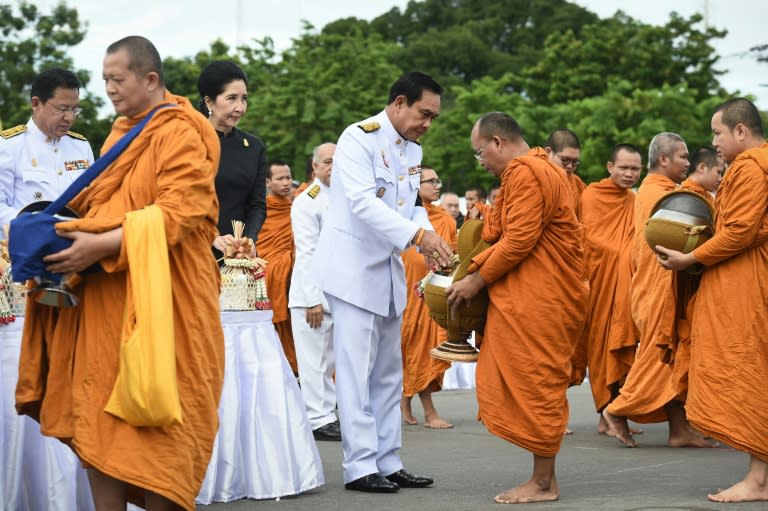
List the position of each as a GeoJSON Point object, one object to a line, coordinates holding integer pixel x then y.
{"type": "Point", "coordinates": [45, 84]}
{"type": "Point", "coordinates": [412, 85]}
{"type": "Point", "coordinates": [215, 77]}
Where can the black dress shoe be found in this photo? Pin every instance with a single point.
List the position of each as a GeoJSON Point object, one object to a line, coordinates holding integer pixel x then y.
{"type": "Point", "coordinates": [373, 483]}
{"type": "Point", "coordinates": [405, 479]}
{"type": "Point", "coordinates": [330, 432]}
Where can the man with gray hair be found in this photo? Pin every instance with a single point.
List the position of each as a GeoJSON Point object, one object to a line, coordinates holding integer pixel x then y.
{"type": "Point", "coordinates": [311, 318]}
{"type": "Point", "coordinates": [651, 393]}
{"type": "Point", "coordinates": [450, 202]}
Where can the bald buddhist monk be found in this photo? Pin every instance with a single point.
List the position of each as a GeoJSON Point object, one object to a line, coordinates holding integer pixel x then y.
{"type": "Point", "coordinates": [70, 357]}
{"type": "Point", "coordinates": [650, 393]}
{"type": "Point", "coordinates": [474, 195]}
{"type": "Point", "coordinates": [492, 194]}
{"type": "Point", "coordinates": [564, 150]}
{"type": "Point", "coordinates": [275, 245]}
{"type": "Point", "coordinates": [608, 209]}
{"type": "Point", "coordinates": [729, 322]}
{"type": "Point", "coordinates": [534, 272]}
{"type": "Point", "coordinates": [423, 374]}
{"type": "Point", "coordinates": [706, 172]}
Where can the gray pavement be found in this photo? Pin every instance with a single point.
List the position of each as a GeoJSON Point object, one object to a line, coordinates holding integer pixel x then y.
{"type": "Point", "coordinates": [470, 466]}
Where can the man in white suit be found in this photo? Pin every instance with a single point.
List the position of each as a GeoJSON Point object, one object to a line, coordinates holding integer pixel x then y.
{"type": "Point", "coordinates": [372, 217]}
{"type": "Point", "coordinates": [311, 318]}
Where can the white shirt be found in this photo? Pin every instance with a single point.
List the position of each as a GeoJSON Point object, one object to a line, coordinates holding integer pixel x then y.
{"type": "Point", "coordinates": [307, 213]}
{"type": "Point", "coordinates": [372, 217]}
{"type": "Point", "coordinates": [35, 167]}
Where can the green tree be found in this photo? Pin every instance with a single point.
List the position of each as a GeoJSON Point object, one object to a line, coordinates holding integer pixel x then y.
{"type": "Point", "coordinates": [578, 65]}
{"type": "Point", "coordinates": [31, 42]}
{"type": "Point", "coordinates": [458, 41]}
{"type": "Point", "coordinates": [320, 85]}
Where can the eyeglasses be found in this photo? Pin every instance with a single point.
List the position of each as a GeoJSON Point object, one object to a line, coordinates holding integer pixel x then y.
{"type": "Point", "coordinates": [567, 162]}
{"type": "Point", "coordinates": [434, 181]}
{"type": "Point", "coordinates": [63, 110]}
{"type": "Point", "coordinates": [479, 152]}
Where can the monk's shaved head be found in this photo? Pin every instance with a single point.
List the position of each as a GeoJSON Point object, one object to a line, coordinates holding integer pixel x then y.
{"type": "Point", "coordinates": [144, 57]}
{"type": "Point", "coordinates": [741, 111]}
{"type": "Point", "coordinates": [623, 147]}
{"type": "Point", "coordinates": [499, 123]}
{"type": "Point", "coordinates": [562, 139]}
{"type": "Point", "coordinates": [663, 144]}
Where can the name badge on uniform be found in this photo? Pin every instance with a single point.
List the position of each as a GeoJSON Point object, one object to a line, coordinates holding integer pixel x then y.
{"type": "Point", "coordinates": [72, 165]}
{"type": "Point", "coordinates": [380, 192]}
{"type": "Point", "coordinates": [416, 169]}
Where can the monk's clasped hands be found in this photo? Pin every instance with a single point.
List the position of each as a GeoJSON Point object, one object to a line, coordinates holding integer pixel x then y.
{"type": "Point", "coordinates": [463, 291]}
{"type": "Point", "coordinates": [674, 260]}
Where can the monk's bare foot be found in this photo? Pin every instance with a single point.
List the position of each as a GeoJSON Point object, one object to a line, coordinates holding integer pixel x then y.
{"type": "Point", "coordinates": [635, 431]}
{"type": "Point", "coordinates": [602, 426]}
{"type": "Point", "coordinates": [691, 439]}
{"type": "Point", "coordinates": [568, 431]}
{"type": "Point", "coordinates": [745, 491]}
{"type": "Point", "coordinates": [437, 422]}
{"type": "Point", "coordinates": [405, 411]}
{"type": "Point", "coordinates": [618, 428]}
{"type": "Point", "coordinates": [530, 491]}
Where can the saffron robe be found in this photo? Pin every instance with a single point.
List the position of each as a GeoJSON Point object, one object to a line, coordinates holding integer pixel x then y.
{"type": "Point", "coordinates": [275, 245]}
{"type": "Point", "coordinates": [607, 213]}
{"type": "Point", "coordinates": [70, 357]}
{"type": "Point", "coordinates": [419, 333]}
{"type": "Point", "coordinates": [577, 189]}
{"type": "Point", "coordinates": [729, 347]}
{"type": "Point", "coordinates": [534, 273]}
{"type": "Point", "coordinates": [649, 384]}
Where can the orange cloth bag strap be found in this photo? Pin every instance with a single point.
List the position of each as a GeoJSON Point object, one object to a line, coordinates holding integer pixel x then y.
{"type": "Point", "coordinates": [146, 390]}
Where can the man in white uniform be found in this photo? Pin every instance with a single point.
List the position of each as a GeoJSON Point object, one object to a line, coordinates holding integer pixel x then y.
{"type": "Point", "coordinates": [372, 217]}
{"type": "Point", "coordinates": [311, 318]}
{"type": "Point", "coordinates": [40, 159]}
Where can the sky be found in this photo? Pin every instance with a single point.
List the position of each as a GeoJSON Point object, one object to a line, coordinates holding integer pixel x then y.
{"type": "Point", "coordinates": [182, 28]}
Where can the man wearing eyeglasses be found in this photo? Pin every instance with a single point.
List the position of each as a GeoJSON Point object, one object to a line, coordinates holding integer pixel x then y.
{"type": "Point", "coordinates": [423, 374]}
{"type": "Point", "coordinates": [39, 160]}
{"type": "Point", "coordinates": [534, 272]}
{"type": "Point", "coordinates": [564, 149]}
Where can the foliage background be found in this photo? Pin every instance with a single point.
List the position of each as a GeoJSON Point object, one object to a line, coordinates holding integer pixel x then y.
{"type": "Point", "coordinates": [548, 63]}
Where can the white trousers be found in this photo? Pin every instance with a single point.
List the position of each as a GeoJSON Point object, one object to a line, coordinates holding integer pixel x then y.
{"type": "Point", "coordinates": [369, 384]}
{"type": "Point", "coordinates": [314, 355]}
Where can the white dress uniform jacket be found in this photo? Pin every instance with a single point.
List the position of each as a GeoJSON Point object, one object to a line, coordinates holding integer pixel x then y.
{"type": "Point", "coordinates": [371, 218]}
{"type": "Point", "coordinates": [35, 167]}
{"type": "Point", "coordinates": [314, 346]}
{"type": "Point", "coordinates": [307, 213]}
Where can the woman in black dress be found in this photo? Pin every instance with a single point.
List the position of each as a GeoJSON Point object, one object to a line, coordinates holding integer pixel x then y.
{"type": "Point", "coordinates": [241, 180]}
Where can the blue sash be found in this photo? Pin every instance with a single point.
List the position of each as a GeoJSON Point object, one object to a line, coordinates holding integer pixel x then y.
{"type": "Point", "coordinates": [32, 235]}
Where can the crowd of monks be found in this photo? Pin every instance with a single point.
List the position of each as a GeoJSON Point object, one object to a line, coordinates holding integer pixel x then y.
{"type": "Point", "coordinates": [631, 338]}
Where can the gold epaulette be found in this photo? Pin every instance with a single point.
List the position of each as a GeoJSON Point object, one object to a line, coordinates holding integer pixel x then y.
{"type": "Point", "coordinates": [369, 127]}
{"type": "Point", "coordinates": [12, 132]}
{"type": "Point", "coordinates": [77, 136]}
{"type": "Point", "coordinates": [314, 191]}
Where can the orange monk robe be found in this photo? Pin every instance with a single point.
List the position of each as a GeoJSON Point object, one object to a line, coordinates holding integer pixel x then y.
{"type": "Point", "coordinates": [70, 357]}
{"type": "Point", "coordinates": [301, 188]}
{"type": "Point", "coordinates": [580, 355]}
{"type": "Point", "coordinates": [678, 351]}
{"type": "Point", "coordinates": [577, 188]}
{"type": "Point", "coordinates": [649, 385]}
{"type": "Point", "coordinates": [538, 305]}
{"type": "Point", "coordinates": [729, 366]}
{"type": "Point", "coordinates": [275, 245]}
{"type": "Point", "coordinates": [419, 334]}
{"type": "Point", "coordinates": [608, 219]}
